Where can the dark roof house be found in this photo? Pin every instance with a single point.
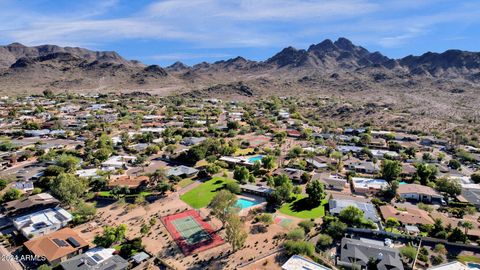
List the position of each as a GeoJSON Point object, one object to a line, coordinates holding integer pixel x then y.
{"type": "Point", "coordinates": [30, 204]}
{"type": "Point", "coordinates": [358, 252]}
{"type": "Point", "coordinates": [96, 258]}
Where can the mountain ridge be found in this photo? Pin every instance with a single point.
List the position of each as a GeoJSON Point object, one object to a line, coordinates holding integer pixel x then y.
{"type": "Point", "coordinates": [74, 68]}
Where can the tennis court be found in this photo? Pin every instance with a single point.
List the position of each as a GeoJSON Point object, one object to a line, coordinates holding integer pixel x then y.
{"type": "Point", "coordinates": [190, 230]}
{"type": "Point", "coordinates": [191, 233]}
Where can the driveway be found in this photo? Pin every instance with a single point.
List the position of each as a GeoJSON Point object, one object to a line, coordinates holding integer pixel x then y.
{"type": "Point", "coordinates": [7, 263]}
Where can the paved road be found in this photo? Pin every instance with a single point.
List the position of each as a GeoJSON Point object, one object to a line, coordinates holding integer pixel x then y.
{"type": "Point", "coordinates": [6, 264]}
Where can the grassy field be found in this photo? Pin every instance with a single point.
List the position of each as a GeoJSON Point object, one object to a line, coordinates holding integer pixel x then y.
{"type": "Point", "coordinates": [184, 182]}
{"type": "Point", "coordinates": [468, 258]}
{"type": "Point", "coordinates": [298, 208]}
{"type": "Point", "coordinates": [202, 195]}
{"type": "Point", "coordinates": [244, 152]}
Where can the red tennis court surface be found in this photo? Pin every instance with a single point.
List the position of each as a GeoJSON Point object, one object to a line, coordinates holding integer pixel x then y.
{"type": "Point", "coordinates": [191, 233]}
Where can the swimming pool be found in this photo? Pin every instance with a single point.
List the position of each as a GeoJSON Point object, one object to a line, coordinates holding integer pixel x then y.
{"type": "Point", "coordinates": [255, 158]}
{"type": "Point", "coordinates": [403, 183]}
{"type": "Point", "coordinates": [473, 265]}
{"type": "Point", "coordinates": [243, 203]}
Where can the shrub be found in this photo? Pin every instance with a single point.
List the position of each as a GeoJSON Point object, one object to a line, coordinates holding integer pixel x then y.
{"type": "Point", "coordinates": [299, 247]}
{"type": "Point", "coordinates": [324, 241]}
{"type": "Point", "coordinates": [408, 252]}
{"type": "Point", "coordinates": [306, 225]}
{"type": "Point", "coordinates": [233, 187]}
{"type": "Point", "coordinates": [436, 260]}
{"type": "Point", "coordinates": [264, 218]}
{"type": "Point", "coordinates": [296, 235]}
{"type": "Point", "coordinates": [440, 248]}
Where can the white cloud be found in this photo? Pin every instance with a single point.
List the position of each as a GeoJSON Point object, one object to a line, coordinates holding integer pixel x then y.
{"type": "Point", "coordinates": [239, 23]}
{"type": "Point", "coordinates": [188, 56]}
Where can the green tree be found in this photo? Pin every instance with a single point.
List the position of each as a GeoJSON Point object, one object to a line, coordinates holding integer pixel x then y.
{"type": "Point", "coordinates": [159, 175]}
{"type": "Point", "coordinates": [295, 152]}
{"type": "Point", "coordinates": [84, 212]}
{"type": "Point", "coordinates": [283, 191]}
{"type": "Point", "coordinates": [351, 215]}
{"type": "Point", "coordinates": [132, 247]}
{"type": "Point", "coordinates": [336, 229]}
{"type": "Point", "coordinates": [235, 233]}
{"type": "Point", "coordinates": [391, 169]}
{"type": "Point", "coordinates": [68, 187]}
{"type": "Point", "coordinates": [454, 164]}
{"type": "Point", "coordinates": [306, 225]}
{"type": "Point", "coordinates": [338, 156]}
{"type": "Point", "coordinates": [315, 192]}
{"type": "Point", "coordinates": [144, 229]}
{"type": "Point", "coordinates": [233, 187]}
{"type": "Point", "coordinates": [466, 225]}
{"type": "Point", "coordinates": [269, 162]}
{"type": "Point", "coordinates": [409, 252]}
{"type": "Point", "coordinates": [410, 152]}
{"type": "Point", "coordinates": [212, 169]}
{"type": "Point", "coordinates": [392, 223]}
{"type": "Point", "coordinates": [68, 162]}
{"type": "Point", "coordinates": [222, 205]}
{"type": "Point", "coordinates": [365, 139]}
{"type": "Point", "coordinates": [111, 235]}
{"type": "Point", "coordinates": [324, 241]}
{"type": "Point", "coordinates": [3, 184]}
{"type": "Point", "coordinates": [233, 125]}
{"type": "Point", "coordinates": [102, 154]}
{"type": "Point", "coordinates": [457, 236]}
{"type": "Point", "coordinates": [152, 150]}
{"type": "Point", "coordinates": [475, 177]}
{"type": "Point", "coordinates": [279, 137]}
{"type": "Point", "coordinates": [11, 194]}
{"type": "Point", "coordinates": [449, 186]}
{"type": "Point", "coordinates": [241, 174]}
{"type": "Point", "coordinates": [425, 172]}
{"type": "Point", "coordinates": [163, 187]}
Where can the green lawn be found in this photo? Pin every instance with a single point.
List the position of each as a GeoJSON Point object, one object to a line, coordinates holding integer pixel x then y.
{"type": "Point", "coordinates": [468, 258]}
{"type": "Point", "coordinates": [244, 152]}
{"type": "Point", "coordinates": [297, 208]}
{"type": "Point", "coordinates": [185, 182]}
{"type": "Point", "coordinates": [201, 196]}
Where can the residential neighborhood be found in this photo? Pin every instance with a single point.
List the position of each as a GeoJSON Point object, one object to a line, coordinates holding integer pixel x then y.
{"type": "Point", "coordinates": [144, 182]}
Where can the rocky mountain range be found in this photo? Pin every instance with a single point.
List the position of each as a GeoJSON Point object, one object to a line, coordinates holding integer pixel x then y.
{"type": "Point", "coordinates": [324, 65]}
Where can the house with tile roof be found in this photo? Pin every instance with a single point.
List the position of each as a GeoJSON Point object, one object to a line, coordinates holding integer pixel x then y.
{"type": "Point", "coordinates": [406, 215]}
{"type": "Point", "coordinates": [419, 193]}
{"type": "Point", "coordinates": [57, 246]}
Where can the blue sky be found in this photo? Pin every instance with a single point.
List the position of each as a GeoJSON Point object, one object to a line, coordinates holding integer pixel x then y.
{"type": "Point", "coordinates": [192, 31]}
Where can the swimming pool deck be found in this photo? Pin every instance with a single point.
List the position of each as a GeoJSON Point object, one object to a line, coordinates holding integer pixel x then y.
{"type": "Point", "coordinates": [244, 212]}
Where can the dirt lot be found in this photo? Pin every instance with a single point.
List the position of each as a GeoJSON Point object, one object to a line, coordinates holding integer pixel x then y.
{"type": "Point", "coordinates": [159, 242]}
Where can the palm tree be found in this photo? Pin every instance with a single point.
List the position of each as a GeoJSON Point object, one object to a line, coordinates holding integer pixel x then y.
{"type": "Point", "coordinates": [338, 156]}
{"type": "Point", "coordinates": [466, 225]}
{"type": "Point", "coordinates": [157, 176]}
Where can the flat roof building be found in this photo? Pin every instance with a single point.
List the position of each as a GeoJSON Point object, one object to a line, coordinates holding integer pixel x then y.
{"type": "Point", "coordinates": [297, 262]}
{"type": "Point", "coordinates": [97, 258]}
{"type": "Point", "coordinates": [42, 222]}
